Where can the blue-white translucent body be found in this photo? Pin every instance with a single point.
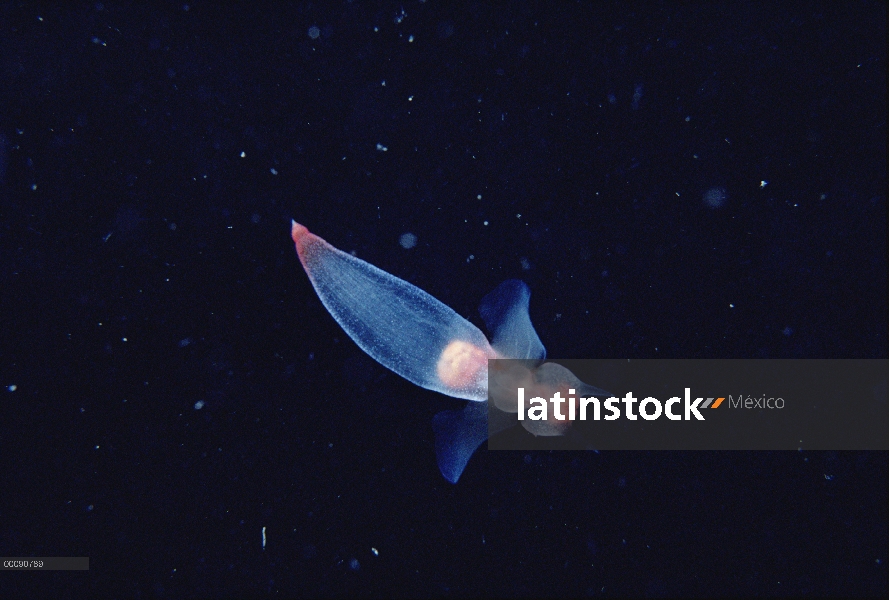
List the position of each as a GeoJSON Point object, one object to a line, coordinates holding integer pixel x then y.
{"type": "Point", "coordinates": [426, 342]}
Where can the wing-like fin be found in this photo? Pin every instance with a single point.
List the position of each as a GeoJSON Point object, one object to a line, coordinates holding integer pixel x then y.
{"type": "Point", "coordinates": [505, 313]}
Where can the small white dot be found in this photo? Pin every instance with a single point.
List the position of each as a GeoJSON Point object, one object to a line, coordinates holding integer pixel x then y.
{"type": "Point", "coordinates": [407, 240]}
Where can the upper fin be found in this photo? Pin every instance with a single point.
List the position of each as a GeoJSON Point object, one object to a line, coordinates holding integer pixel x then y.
{"type": "Point", "coordinates": [505, 313]}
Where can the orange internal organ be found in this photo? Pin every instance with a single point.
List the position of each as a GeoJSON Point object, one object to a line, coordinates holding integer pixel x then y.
{"type": "Point", "coordinates": [460, 364]}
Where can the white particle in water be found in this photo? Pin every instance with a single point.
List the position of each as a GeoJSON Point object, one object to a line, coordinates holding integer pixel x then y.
{"type": "Point", "coordinates": [407, 240]}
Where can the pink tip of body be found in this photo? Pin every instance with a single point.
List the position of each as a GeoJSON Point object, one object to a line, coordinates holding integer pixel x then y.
{"type": "Point", "coordinates": [297, 231]}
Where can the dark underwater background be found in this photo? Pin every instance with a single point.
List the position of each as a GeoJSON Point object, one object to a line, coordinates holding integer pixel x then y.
{"type": "Point", "coordinates": [672, 180]}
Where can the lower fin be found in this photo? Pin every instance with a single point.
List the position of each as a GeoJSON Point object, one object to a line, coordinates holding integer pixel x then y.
{"type": "Point", "coordinates": [459, 433]}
